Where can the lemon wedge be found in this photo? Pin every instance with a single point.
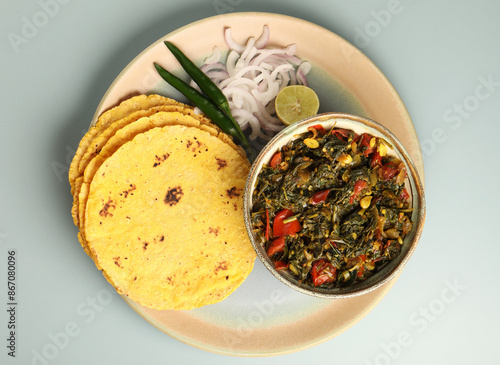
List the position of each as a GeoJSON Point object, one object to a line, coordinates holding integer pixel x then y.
{"type": "Point", "coordinates": [296, 102]}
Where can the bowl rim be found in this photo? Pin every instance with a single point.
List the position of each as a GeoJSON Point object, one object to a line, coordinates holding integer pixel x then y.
{"type": "Point", "coordinates": [389, 272]}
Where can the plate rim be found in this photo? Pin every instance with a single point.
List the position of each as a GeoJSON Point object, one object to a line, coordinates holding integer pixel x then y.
{"type": "Point", "coordinates": [381, 292]}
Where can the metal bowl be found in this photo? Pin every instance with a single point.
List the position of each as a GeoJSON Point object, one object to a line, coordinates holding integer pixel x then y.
{"type": "Point", "coordinates": [414, 186]}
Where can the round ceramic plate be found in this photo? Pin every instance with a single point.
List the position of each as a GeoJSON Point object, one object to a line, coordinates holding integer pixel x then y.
{"type": "Point", "coordinates": [264, 317]}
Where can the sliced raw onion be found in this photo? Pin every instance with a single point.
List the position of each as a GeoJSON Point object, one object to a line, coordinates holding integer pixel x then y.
{"type": "Point", "coordinates": [245, 116]}
{"type": "Point", "coordinates": [251, 76]}
{"type": "Point", "coordinates": [263, 39]}
{"type": "Point", "coordinates": [231, 43]}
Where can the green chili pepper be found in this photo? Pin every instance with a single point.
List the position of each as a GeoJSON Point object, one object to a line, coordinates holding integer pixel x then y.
{"type": "Point", "coordinates": [206, 105]}
{"type": "Point", "coordinates": [204, 82]}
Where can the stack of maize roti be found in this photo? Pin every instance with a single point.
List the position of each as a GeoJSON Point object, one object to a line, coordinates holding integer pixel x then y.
{"type": "Point", "coordinates": [158, 200]}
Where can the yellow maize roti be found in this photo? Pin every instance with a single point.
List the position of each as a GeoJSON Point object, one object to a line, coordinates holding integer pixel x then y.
{"type": "Point", "coordinates": [127, 107]}
{"type": "Point", "coordinates": [126, 133]}
{"type": "Point", "coordinates": [164, 218]}
{"type": "Point", "coordinates": [121, 136]}
{"type": "Point", "coordinates": [100, 140]}
{"type": "Point", "coordinates": [97, 138]}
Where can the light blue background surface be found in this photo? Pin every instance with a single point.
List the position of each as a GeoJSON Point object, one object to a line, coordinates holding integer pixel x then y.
{"type": "Point", "coordinates": [441, 56]}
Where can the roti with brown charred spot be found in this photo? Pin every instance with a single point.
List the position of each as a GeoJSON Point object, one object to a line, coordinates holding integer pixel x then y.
{"type": "Point", "coordinates": [126, 133]}
{"type": "Point", "coordinates": [98, 137]}
{"type": "Point", "coordinates": [164, 218]}
{"type": "Point", "coordinates": [124, 109]}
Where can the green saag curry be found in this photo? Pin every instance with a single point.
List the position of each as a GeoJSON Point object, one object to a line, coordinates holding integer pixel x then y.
{"type": "Point", "coordinates": [332, 207]}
